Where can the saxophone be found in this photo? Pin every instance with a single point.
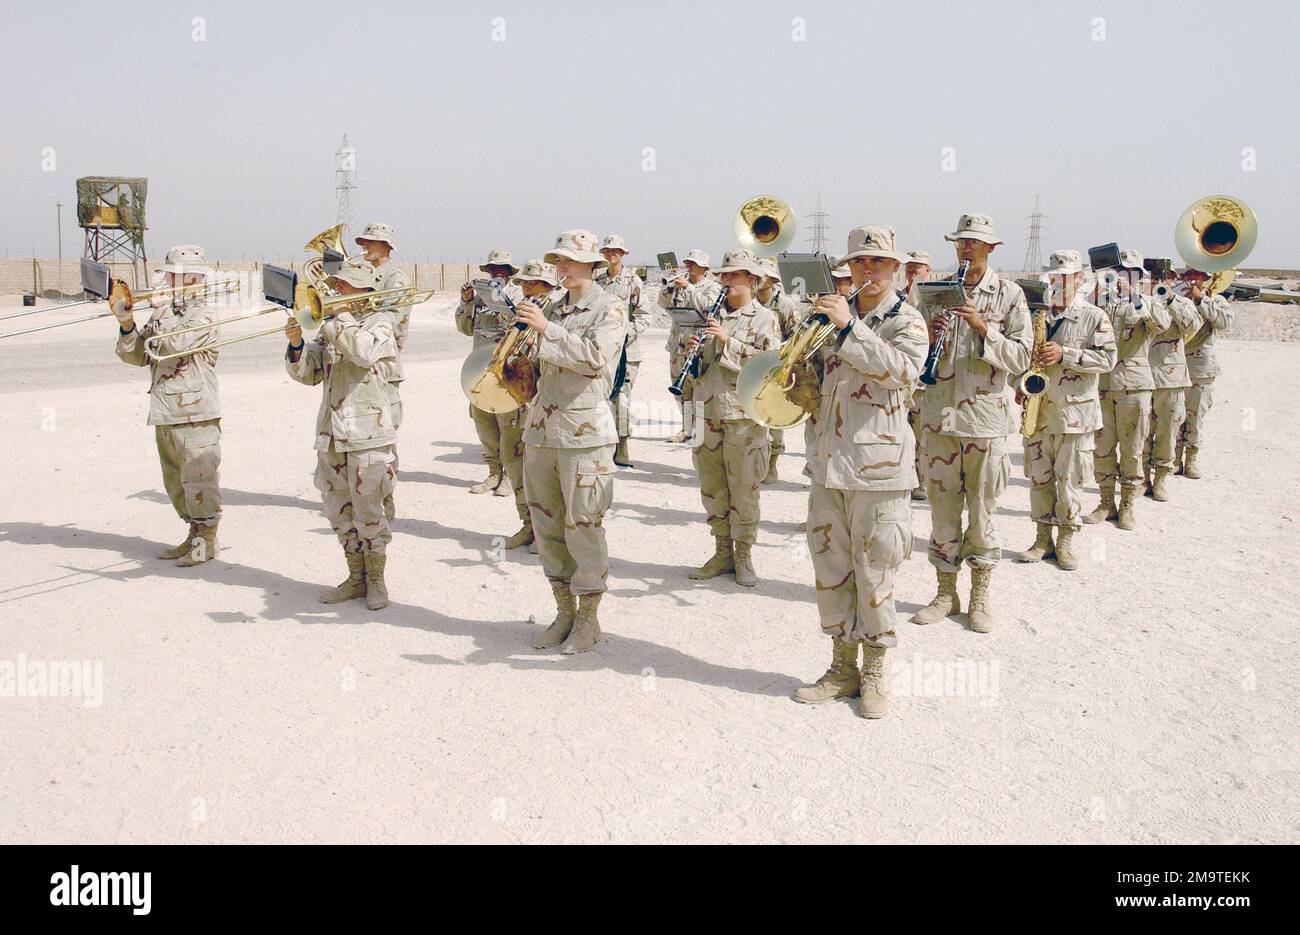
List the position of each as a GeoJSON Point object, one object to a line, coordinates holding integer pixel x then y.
{"type": "Point", "coordinates": [1033, 384]}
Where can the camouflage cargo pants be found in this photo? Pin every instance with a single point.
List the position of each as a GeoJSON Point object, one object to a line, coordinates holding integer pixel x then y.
{"type": "Point", "coordinates": [1058, 466]}
{"type": "Point", "coordinates": [1168, 410]}
{"type": "Point", "coordinates": [731, 461]}
{"type": "Point", "coordinates": [191, 460]}
{"type": "Point", "coordinates": [1125, 422]}
{"type": "Point", "coordinates": [623, 401]}
{"type": "Point", "coordinates": [1200, 398]}
{"type": "Point", "coordinates": [914, 420]}
{"type": "Point", "coordinates": [569, 491]}
{"type": "Point", "coordinates": [969, 474]}
{"type": "Point", "coordinates": [858, 539]}
{"type": "Point", "coordinates": [512, 457]}
{"type": "Point", "coordinates": [353, 486]}
{"type": "Point", "coordinates": [776, 445]}
{"type": "Point", "coordinates": [488, 427]}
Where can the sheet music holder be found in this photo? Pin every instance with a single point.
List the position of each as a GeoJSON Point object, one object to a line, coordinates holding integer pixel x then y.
{"type": "Point", "coordinates": [939, 295]}
{"type": "Point", "coordinates": [96, 278]}
{"type": "Point", "coordinates": [279, 285]}
{"type": "Point", "coordinates": [804, 274]}
{"type": "Point", "coordinates": [491, 292]}
{"type": "Point", "coordinates": [1104, 257]}
{"type": "Point", "coordinates": [1035, 293]}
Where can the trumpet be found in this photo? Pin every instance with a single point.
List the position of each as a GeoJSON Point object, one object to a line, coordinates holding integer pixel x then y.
{"type": "Point", "coordinates": [502, 377]}
{"type": "Point", "coordinates": [930, 373]}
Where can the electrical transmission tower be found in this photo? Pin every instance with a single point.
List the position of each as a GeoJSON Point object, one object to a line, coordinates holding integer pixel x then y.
{"type": "Point", "coordinates": [1034, 252]}
{"type": "Point", "coordinates": [345, 186]}
{"type": "Point", "coordinates": [817, 234]}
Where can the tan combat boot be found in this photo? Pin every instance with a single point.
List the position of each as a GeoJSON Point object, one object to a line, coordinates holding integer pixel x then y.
{"type": "Point", "coordinates": [744, 565]}
{"type": "Point", "coordinates": [1126, 518]}
{"type": "Point", "coordinates": [918, 493]}
{"type": "Point", "coordinates": [621, 457]}
{"type": "Point", "coordinates": [586, 628]}
{"type": "Point", "coordinates": [504, 489]}
{"type": "Point", "coordinates": [522, 538]}
{"type": "Point", "coordinates": [1106, 508]}
{"type": "Point", "coordinates": [772, 475]}
{"type": "Point", "coordinates": [177, 551]}
{"type": "Point", "coordinates": [491, 482]}
{"type": "Point", "coordinates": [873, 702]}
{"type": "Point", "coordinates": [566, 609]}
{"type": "Point", "coordinates": [390, 508]}
{"type": "Point", "coordinates": [1158, 491]}
{"type": "Point", "coordinates": [945, 601]}
{"type": "Point", "coordinates": [1191, 471]}
{"type": "Point", "coordinates": [723, 561]}
{"type": "Point", "coordinates": [839, 681]}
{"type": "Point", "coordinates": [1042, 547]}
{"type": "Point", "coordinates": [1065, 559]}
{"type": "Point", "coordinates": [353, 587]}
{"type": "Point", "coordinates": [1178, 456]}
{"type": "Point", "coordinates": [1146, 480]}
{"type": "Point", "coordinates": [203, 547]}
{"type": "Point", "coordinates": [981, 616]}
{"type": "Point", "coordinates": [376, 589]}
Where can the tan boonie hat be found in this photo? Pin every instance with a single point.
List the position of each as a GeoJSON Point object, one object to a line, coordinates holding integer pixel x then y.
{"type": "Point", "coordinates": [740, 261]}
{"type": "Point", "coordinates": [1065, 261]}
{"type": "Point", "coordinates": [974, 227]}
{"type": "Point", "coordinates": [499, 258]}
{"type": "Point", "coordinates": [186, 258]}
{"type": "Point", "coordinates": [698, 257]}
{"type": "Point", "coordinates": [770, 269]}
{"type": "Point", "coordinates": [613, 242]}
{"type": "Point", "coordinates": [537, 271]}
{"type": "Point", "coordinates": [375, 230]}
{"type": "Point", "coordinates": [840, 272]}
{"type": "Point", "coordinates": [578, 245]}
{"type": "Point", "coordinates": [1130, 259]}
{"type": "Point", "coordinates": [357, 272]}
{"type": "Point", "coordinates": [872, 241]}
{"type": "Point", "coordinates": [919, 256]}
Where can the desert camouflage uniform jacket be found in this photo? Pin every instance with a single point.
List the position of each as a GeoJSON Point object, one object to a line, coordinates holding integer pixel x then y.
{"type": "Point", "coordinates": [1072, 404]}
{"type": "Point", "coordinates": [184, 390]}
{"type": "Point", "coordinates": [1168, 358]}
{"type": "Point", "coordinates": [750, 330]}
{"type": "Point", "coordinates": [350, 356]}
{"type": "Point", "coordinates": [788, 311]}
{"type": "Point", "coordinates": [1216, 315]}
{"type": "Point", "coordinates": [627, 286]}
{"type": "Point", "coordinates": [1135, 328]}
{"type": "Point", "coordinates": [971, 398]}
{"type": "Point", "coordinates": [474, 318]}
{"type": "Point", "coordinates": [578, 356]}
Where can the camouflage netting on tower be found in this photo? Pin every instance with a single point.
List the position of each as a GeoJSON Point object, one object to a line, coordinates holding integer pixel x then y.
{"type": "Point", "coordinates": [114, 203]}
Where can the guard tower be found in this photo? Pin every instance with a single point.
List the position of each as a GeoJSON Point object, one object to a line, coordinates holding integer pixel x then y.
{"type": "Point", "coordinates": [111, 211]}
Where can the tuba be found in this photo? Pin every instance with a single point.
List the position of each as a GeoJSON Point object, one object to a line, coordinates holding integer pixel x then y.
{"type": "Point", "coordinates": [764, 225]}
{"type": "Point", "coordinates": [1214, 235]}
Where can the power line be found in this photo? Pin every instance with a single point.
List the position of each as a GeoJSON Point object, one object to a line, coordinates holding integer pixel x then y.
{"type": "Point", "coordinates": [817, 231]}
{"type": "Point", "coordinates": [1034, 252]}
{"type": "Point", "coordinates": [345, 185]}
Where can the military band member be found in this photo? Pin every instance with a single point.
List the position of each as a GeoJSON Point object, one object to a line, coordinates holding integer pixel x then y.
{"type": "Point", "coordinates": [843, 279]}
{"type": "Point", "coordinates": [1216, 315]}
{"type": "Point", "coordinates": [916, 269]}
{"type": "Point", "coordinates": [539, 285]}
{"type": "Point", "coordinates": [355, 432]}
{"type": "Point", "coordinates": [377, 243]}
{"type": "Point", "coordinates": [788, 313]}
{"type": "Point", "coordinates": [625, 284]}
{"type": "Point", "coordinates": [488, 327]}
{"type": "Point", "coordinates": [965, 419]}
{"type": "Point", "coordinates": [732, 456]}
{"type": "Point", "coordinates": [1080, 347]}
{"type": "Point", "coordinates": [570, 436]}
{"type": "Point", "coordinates": [1126, 392]}
{"type": "Point", "coordinates": [1169, 400]}
{"type": "Point", "coordinates": [693, 289]}
{"type": "Point", "coordinates": [184, 405]}
{"type": "Point", "coordinates": [859, 517]}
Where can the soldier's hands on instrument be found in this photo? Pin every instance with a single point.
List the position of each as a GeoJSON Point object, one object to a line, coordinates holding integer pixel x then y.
{"type": "Point", "coordinates": [1196, 290]}
{"type": "Point", "coordinates": [970, 315]}
{"type": "Point", "coordinates": [531, 315]}
{"type": "Point", "coordinates": [937, 324]}
{"type": "Point", "coordinates": [836, 308]}
{"type": "Point", "coordinates": [125, 320]}
{"type": "Point", "coordinates": [1050, 354]}
{"type": "Point", "coordinates": [293, 331]}
{"type": "Point", "coordinates": [466, 293]}
{"type": "Point", "coordinates": [712, 330]}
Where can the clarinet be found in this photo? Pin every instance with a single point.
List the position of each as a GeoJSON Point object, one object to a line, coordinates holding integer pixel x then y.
{"type": "Point", "coordinates": [678, 387]}
{"type": "Point", "coordinates": [930, 375]}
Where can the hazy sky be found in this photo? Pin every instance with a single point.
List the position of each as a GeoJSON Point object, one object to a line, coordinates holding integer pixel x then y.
{"type": "Point", "coordinates": [464, 142]}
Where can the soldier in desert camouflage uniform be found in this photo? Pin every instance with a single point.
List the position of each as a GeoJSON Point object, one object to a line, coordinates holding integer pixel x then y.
{"type": "Point", "coordinates": [1216, 315]}
{"type": "Point", "coordinates": [860, 453]}
{"type": "Point", "coordinates": [184, 406]}
{"type": "Point", "coordinates": [487, 327]}
{"type": "Point", "coordinates": [1058, 455]}
{"type": "Point", "coordinates": [377, 243]}
{"type": "Point", "coordinates": [538, 283]}
{"type": "Point", "coordinates": [693, 289]}
{"type": "Point", "coordinates": [965, 419]}
{"type": "Point", "coordinates": [1125, 393]}
{"type": "Point", "coordinates": [352, 352]}
{"type": "Point", "coordinates": [569, 438]}
{"type": "Point", "coordinates": [916, 269]}
{"type": "Point", "coordinates": [732, 456]}
{"type": "Point", "coordinates": [626, 284]}
{"type": "Point", "coordinates": [789, 312]}
{"type": "Point", "coordinates": [1168, 401]}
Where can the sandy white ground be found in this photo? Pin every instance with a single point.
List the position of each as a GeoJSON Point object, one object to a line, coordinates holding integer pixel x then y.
{"type": "Point", "coordinates": [1151, 696]}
